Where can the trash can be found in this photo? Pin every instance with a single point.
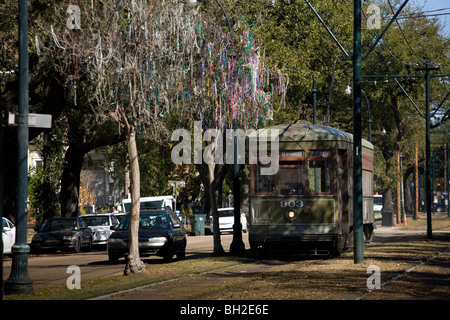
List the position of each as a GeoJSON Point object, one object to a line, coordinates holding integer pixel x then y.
{"type": "Point", "coordinates": [197, 224]}
{"type": "Point", "coordinates": [387, 219]}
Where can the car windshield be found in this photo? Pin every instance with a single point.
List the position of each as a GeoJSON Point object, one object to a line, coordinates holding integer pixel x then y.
{"type": "Point", "coordinates": [155, 204]}
{"type": "Point", "coordinates": [378, 200]}
{"type": "Point", "coordinates": [226, 213]}
{"type": "Point", "coordinates": [59, 224]}
{"type": "Point", "coordinates": [146, 221]}
{"type": "Point", "coordinates": [97, 220]}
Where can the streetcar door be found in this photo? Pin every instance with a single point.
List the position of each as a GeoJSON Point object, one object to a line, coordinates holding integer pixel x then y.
{"type": "Point", "coordinates": [341, 155]}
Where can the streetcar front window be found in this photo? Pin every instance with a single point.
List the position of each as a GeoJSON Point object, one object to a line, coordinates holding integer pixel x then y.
{"type": "Point", "coordinates": [292, 180]}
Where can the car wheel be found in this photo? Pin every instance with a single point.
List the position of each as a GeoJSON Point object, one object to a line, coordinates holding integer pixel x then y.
{"type": "Point", "coordinates": [182, 255]}
{"type": "Point", "coordinates": [77, 246]}
{"type": "Point", "coordinates": [169, 254]}
{"type": "Point", "coordinates": [113, 259]}
{"type": "Point", "coordinates": [89, 246]}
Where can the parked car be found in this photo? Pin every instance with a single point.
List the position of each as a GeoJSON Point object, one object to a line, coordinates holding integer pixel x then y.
{"type": "Point", "coordinates": [439, 207]}
{"type": "Point", "coordinates": [8, 235]}
{"type": "Point", "coordinates": [63, 233]}
{"type": "Point", "coordinates": [226, 220]}
{"type": "Point", "coordinates": [100, 225]}
{"type": "Point", "coordinates": [120, 215]}
{"type": "Point", "coordinates": [160, 233]}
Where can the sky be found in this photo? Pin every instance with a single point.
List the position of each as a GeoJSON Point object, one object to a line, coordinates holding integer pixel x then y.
{"type": "Point", "coordinates": [436, 5]}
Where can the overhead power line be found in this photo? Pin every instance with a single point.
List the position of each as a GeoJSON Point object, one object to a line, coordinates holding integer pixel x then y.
{"type": "Point", "coordinates": [428, 13]}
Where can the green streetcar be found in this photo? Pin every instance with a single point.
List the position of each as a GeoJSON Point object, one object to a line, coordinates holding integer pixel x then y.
{"type": "Point", "coordinates": [306, 207]}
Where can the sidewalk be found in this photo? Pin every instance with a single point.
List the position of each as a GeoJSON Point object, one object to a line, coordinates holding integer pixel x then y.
{"type": "Point", "coordinates": [440, 223]}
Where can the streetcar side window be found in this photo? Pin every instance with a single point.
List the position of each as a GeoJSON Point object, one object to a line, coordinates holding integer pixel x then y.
{"type": "Point", "coordinates": [320, 172]}
{"type": "Point", "coordinates": [264, 184]}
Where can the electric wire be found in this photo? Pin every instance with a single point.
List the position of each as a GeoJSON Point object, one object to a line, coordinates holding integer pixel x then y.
{"type": "Point", "coordinates": [403, 34]}
{"type": "Point", "coordinates": [387, 49]}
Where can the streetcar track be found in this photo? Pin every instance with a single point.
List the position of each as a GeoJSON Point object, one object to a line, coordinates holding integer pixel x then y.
{"type": "Point", "coordinates": [406, 272]}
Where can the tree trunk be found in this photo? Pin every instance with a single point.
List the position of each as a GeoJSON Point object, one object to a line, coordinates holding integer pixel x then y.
{"type": "Point", "coordinates": [70, 181]}
{"type": "Point", "coordinates": [387, 200]}
{"type": "Point", "coordinates": [134, 264]}
{"type": "Point", "coordinates": [218, 249]}
{"type": "Point", "coordinates": [408, 196]}
{"type": "Point", "coordinates": [386, 187]}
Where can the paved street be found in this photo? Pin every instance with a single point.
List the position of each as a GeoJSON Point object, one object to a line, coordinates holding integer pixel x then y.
{"type": "Point", "coordinates": [51, 268]}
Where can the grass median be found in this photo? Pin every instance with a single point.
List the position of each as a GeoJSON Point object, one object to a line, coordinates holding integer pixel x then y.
{"type": "Point", "coordinates": [106, 285]}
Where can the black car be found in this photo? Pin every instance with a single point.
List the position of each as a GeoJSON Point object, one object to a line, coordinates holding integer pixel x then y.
{"type": "Point", "coordinates": [63, 233]}
{"type": "Point", "coordinates": [160, 233]}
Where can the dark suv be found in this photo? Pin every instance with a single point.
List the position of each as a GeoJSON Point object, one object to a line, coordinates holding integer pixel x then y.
{"type": "Point", "coordinates": [160, 233]}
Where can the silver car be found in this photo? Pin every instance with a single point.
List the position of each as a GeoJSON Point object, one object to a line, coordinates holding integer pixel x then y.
{"type": "Point", "coordinates": [100, 224]}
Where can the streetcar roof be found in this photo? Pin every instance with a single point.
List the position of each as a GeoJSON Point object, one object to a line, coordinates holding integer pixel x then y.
{"type": "Point", "coordinates": [295, 135]}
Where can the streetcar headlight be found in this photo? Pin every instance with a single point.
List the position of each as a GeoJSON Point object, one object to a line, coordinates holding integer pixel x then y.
{"type": "Point", "coordinates": [291, 215]}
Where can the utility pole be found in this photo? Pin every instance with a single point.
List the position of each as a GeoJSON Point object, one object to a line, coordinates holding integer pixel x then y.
{"type": "Point", "coordinates": [427, 177]}
{"type": "Point", "coordinates": [447, 181]}
{"type": "Point", "coordinates": [427, 180]}
{"type": "Point", "coordinates": [357, 137]}
{"type": "Point", "coordinates": [314, 92]}
{"type": "Point", "coordinates": [399, 200]}
{"type": "Point", "coordinates": [445, 166]}
{"type": "Point", "coordinates": [416, 183]}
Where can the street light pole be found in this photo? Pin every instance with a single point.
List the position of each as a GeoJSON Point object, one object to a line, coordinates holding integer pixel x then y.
{"type": "Point", "coordinates": [19, 281]}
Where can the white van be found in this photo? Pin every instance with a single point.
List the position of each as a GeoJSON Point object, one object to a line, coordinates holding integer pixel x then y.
{"type": "Point", "coordinates": [158, 202]}
{"type": "Point", "coordinates": [226, 220]}
{"type": "Point", "coordinates": [377, 206]}
{"type": "Point", "coordinates": [8, 235]}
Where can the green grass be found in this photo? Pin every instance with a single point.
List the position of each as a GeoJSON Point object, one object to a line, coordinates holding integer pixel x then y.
{"type": "Point", "coordinates": [154, 273]}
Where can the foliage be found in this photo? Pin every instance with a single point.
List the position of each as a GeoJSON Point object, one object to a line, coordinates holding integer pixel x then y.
{"type": "Point", "coordinates": [44, 180]}
{"type": "Point", "coordinates": [87, 197]}
{"type": "Point", "coordinates": [35, 190]}
{"type": "Point", "coordinates": [403, 50]}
